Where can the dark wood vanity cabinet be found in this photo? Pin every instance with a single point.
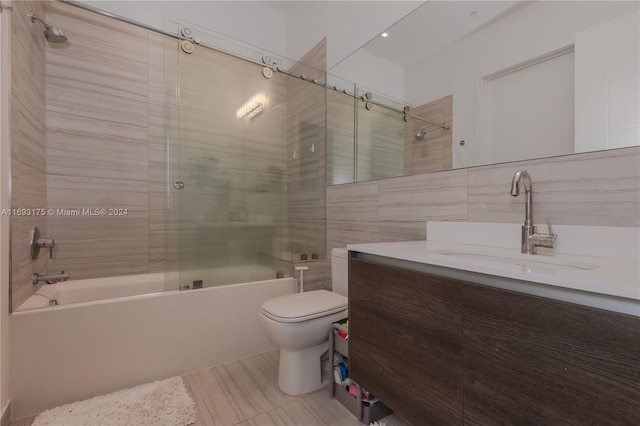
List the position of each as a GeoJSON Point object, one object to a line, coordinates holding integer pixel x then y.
{"type": "Point", "coordinates": [405, 341]}
{"type": "Point", "coordinates": [443, 351]}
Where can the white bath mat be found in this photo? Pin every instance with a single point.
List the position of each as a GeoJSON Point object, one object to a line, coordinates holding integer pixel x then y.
{"type": "Point", "coordinates": [161, 403]}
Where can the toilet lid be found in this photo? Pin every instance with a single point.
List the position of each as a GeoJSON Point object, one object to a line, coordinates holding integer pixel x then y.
{"type": "Point", "coordinates": [304, 306]}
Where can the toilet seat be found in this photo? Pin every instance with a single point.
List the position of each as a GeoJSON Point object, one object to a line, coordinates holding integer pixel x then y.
{"type": "Point", "coordinates": [300, 307]}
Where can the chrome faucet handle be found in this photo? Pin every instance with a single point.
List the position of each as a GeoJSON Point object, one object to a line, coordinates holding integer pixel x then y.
{"type": "Point", "coordinates": [47, 243]}
{"type": "Point", "coordinates": [550, 227]}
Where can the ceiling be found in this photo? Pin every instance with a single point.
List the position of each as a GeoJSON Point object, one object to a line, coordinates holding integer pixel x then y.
{"type": "Point", "coordinates": [435, 25]}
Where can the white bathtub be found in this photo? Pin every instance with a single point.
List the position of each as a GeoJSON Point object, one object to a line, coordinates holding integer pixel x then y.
{"type": "Point", "coordinates": [70, 352]}
{"type": "Point", "coordinates": [78, 291]}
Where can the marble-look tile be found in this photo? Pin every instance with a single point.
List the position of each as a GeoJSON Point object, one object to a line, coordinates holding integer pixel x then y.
{"type": "Point", "coordinates": [434, 152]}
{"type": "Point", "coordinates": [22, 266]}
{"type": "Point", "coordinates": [28, 145]}
{"type": "Point", "coordinates": [103, 111]}
{"type": "Point", "coordinates": [352, 214]}
{"type": "Point", "coordinates": [28, 186]}
{"type": "Point", "coordinates": [294, 413]}
{"type": "Point", "coordinates": [329, 410]}
{"type": "Point", "coordinates": [98, 35]}
{"type": "Point", "coordinates": [272, 357]}
{"type": "Point", "coordinates": [156, 49]}
{"type": "Point", "coordinates": [316, 277]}
{"type": "Point", "coordinates": [584, 189]}
{"type": "Point", "coordinates": [353, 202]}
{"type": "Point", "coordinates": [340, 138]}
{"type": "Point", "coordinates": [88, 246]}
{"type": "Point", "coordinates": [340, 234]}
{"type": "Point", "coordinates": [214, 404]}
{"type": "Point", "coordinates": [70, 192]}
{"type": "Point", "coordinates": [306, 136]}
{"type": "Point", "coordinates": [401, 231]}
{"type": "Point", "coordinates": [434, 196]}
{"type": "Point", "coordinates": [314, 63]}
{"type": "Point", "coordinates": [88, 156]}
{"type": "Point", "coordinates": [380, 147]}
{"type": "Point", "coordinates": [28, 133]}
{"type": "Point", "coordinates": [252, 383]}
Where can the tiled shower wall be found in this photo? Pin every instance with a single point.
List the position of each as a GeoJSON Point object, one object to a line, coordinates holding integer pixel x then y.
{"type": "Point", "coordinates": [105, 146]}
{"type": "Point", "coordinates": [596, 189]}
{"type": "Point", "coordinates": [99, 142]}
{"type": "Point", "coordinates": [28, 148]}
{"type": "Point", "coordinates": [306, 188]}
{"type": "Point", "coordinates": [434, 152]}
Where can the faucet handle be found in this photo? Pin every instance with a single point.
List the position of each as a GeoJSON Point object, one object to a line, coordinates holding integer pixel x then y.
{"type": "Point", "coordinates": [550, 227]}
{"type": "Point", "coordinates": [48, 243]}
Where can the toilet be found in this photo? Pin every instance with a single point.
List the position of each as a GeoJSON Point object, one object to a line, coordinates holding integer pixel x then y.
{"type": "Point", "coordinates": [299, 323]}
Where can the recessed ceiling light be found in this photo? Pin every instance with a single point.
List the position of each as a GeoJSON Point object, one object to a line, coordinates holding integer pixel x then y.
{"type": "Point", "coordinates": [384, 34]}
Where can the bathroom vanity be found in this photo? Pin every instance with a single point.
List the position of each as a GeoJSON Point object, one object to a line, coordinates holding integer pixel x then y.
{"type": "Point", "coordinates": [451, 333]}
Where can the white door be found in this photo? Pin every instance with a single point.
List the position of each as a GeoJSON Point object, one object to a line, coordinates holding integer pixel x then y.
{"type": "Point", "coordinates": [530, 110]}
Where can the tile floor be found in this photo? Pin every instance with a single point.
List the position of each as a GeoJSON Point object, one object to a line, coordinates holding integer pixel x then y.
{"type": "Point", "coordinates": [245, 392]}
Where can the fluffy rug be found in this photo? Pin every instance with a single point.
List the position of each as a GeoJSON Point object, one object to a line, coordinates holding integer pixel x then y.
{"type": "Point", "coordinates": [164, 402]}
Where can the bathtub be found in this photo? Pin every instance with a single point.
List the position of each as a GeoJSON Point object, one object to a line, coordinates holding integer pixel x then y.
{"type": "Point", "coordinates": [84, 347]}
{"type": "Point", "coordinates": [78, 291]}
{"type": "Point", "coordinates": [94, 289]}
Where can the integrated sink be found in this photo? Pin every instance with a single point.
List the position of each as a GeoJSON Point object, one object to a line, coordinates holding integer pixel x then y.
{"type": "Point", "coordinates": [527, 262]}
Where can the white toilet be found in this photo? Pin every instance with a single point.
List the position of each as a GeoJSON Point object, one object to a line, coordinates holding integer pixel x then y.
{"type": "Point", "coordinates": [299, 323]}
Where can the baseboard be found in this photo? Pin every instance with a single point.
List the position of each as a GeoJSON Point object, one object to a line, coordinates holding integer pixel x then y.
{"type": "Point", "coordinates": [6, 415]}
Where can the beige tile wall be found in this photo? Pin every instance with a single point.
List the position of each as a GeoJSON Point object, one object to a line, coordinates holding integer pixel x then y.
{"type": "Point", "coordinates": [109, 102]}
{"type": "Point", "coordinates": [306, 187]}
{"type": "Point", "coordinates": [381, 142]}
{"type": "Point", "coordinates": [434, 152]}
{"type": "Point", "coordinates": [99, 92]}
{"type": "Point", "coordinates": [597, 189]}
{"type": "Point", "coordinates": [340, 137]}
{"type": "Point", "coordinates": [28, 149]}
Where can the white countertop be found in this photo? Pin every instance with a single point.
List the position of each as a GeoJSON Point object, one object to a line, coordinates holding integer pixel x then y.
{"type": "Point", "coordinates": [611, 278]}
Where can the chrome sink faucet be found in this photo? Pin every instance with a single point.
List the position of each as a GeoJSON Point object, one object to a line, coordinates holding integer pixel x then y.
{"type": "Point", "coordinates": [531, 240]}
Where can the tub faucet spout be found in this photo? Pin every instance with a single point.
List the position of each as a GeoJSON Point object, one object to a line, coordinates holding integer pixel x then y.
{"type": "Point", "coordinates": [531, 239]}
{"type": "Point", "coordinates": [49, 279]}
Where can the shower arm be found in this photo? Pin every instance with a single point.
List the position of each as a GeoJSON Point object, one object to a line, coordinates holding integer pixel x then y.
{"type": "Point", "coordinates": [35, 18]}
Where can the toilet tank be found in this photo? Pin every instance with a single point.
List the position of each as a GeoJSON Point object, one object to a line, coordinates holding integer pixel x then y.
{"type": "Point", "coordinates": [339, 271]}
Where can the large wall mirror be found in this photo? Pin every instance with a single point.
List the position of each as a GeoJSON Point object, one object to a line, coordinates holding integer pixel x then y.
{"type": "Point", "coordinates": [486, 82]}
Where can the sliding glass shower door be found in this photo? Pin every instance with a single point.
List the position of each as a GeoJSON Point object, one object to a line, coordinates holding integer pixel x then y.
{"type": "Point", "coordinates": [228, 168]}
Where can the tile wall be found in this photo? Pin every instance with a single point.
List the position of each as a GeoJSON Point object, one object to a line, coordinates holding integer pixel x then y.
{"type": "Point", "coordinates": [306, 188]}
{"type": "Point", "coordinates": [597, 189]}
{"type": "Point", "coordinates": [107, 94]}
{"type": "Point", "coordinates": [104, 145]}
{"type": "Point", "coordinates": [340, 138]}
{"type": "Point", "coordinates": [99, 142]}
{"type": "Point", "coordinates": [28, 147]}
{"type": "Point", "coordinates": [434, 152]}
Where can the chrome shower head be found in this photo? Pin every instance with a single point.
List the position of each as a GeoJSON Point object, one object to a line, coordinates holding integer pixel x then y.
{"type": "Point", "coordinates": [51, 33]}
{"type": "Point", "coordinates": [420, 135]}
